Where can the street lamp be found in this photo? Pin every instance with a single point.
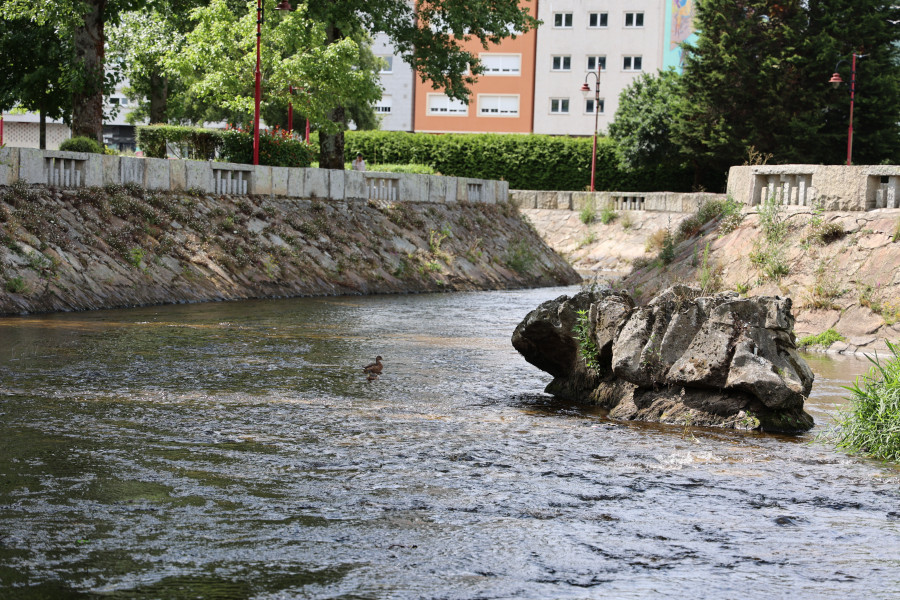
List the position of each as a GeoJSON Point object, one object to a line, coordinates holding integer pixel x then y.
{"type": "Point", "coordinates": [586, 90]}
{"type": "Point", "coordinates": [284, 5]}
{"type": "Point", "coordinates": [836, 82]}
{"type": "Point", "coordinates": [293, 90]}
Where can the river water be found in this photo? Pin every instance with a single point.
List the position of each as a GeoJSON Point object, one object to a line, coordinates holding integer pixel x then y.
{"type": "Point", "coordinates": [236, 450]}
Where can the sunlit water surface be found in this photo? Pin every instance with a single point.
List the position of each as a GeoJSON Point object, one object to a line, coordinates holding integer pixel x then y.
{"type": "Point", "coordinates": [236, 450]}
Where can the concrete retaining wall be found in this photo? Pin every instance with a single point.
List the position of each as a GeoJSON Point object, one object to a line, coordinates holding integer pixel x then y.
{"type": "Point", "coordinates": [78, 169]}
{"type": "Point", "coordinates": [832, 187]}
{"type": "Point", "coordinates": [650, 201]}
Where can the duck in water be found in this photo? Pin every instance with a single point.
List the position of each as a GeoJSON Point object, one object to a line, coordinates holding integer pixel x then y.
{"type": "Point", "coordinates": [374, 368]}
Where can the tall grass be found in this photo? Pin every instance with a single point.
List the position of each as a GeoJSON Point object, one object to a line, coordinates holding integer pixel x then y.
{"type": "Point", "coordinates": [871, 425]}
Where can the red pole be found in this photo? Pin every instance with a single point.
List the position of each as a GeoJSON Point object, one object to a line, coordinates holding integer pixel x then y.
{"type": "Point", "coordinates": [259, 20]}
{"type": "Point", "coordinates": [290, 117]}
{"type": "Point", "coordinates": [852, 94]}
{"type": "Point", "coordinates": [307, 131]}
{"type": "Point", "coordinates": [596, 117]}
{"type": "Point", "coordinates": [1, 130]}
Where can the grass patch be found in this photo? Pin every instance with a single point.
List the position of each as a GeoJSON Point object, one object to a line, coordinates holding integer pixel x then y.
{"type": "Point", "coordinates": [871, 426]}
{"type": "Point", "coordinates": [872, 297]}
{"type": "Point", "coordinates": [588, 215]}
{"type": "Point", "coordinates": [608, 215]}
{"type": "Point", "coordinates": [710, 274]}
{"type": "Point", "coordinates": [768, 254]}
{"type": "Point", "coordinates": [824, 339]}
{"type": "Point", "coordinates": [520, 257]}
{"type": "Point", "coordinates": [16, 285]}
{"type": "Point", "coordinates": [589, 239]}
{"type": "Point", "coordinates": [824, 290]}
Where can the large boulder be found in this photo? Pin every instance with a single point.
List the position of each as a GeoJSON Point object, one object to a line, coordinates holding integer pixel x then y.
{"type": "Point", "coordinates": [683, 358]}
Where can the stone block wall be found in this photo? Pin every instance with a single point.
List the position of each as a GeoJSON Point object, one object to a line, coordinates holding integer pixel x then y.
{"type": "Point", "coordinates": [832, 187]}
{"type": "Point", "coordinates": [78, 169]}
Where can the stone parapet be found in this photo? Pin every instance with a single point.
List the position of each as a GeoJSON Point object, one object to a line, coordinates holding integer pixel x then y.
{"type": "Point", "coordinates": [79, 169]}
{"type": "Point", "coordinates": [619, 201]}
{"type": "Point", "coordinates": [829, 187]}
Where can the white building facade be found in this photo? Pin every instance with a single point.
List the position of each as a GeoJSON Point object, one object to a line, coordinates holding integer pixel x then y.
{"type": "Point", "coordinates": [395, 108]}
{"type": "Point", "coordinates": [623, 38]}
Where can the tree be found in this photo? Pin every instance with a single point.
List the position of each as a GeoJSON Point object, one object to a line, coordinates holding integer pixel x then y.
{"type": "Point", "coordinates": [85, 21]}
{"type": "Point", "coordinates": [869, 27]}
{"type": "Point", "coordinates": [37, 80]}
{"type": "Point", "coordinates": [217, 61]}
{"type": "Point", "coordinates": [138, 45]}
{"type": "Point", "coordinates": [745, 83]}
{"type": "Point", "coordinates": [644, 121]}
{"type": "Point", "coordinates": [427, 34]}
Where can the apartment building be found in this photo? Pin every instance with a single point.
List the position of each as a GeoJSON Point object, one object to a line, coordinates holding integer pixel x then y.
{"type": "Point", "coordinates": [502, 99]}
{"type": "Point", "coordinates": [577, 37]}
{"type": "Point", "coordinates": [397, 78]}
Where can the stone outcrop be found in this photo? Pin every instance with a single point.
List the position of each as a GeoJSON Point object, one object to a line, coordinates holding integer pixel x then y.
{"type": "Point", "coordinates": [683, 358]}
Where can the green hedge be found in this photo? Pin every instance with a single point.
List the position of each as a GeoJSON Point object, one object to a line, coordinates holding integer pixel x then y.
{"type": "Point", "coordinates": [527, 162]}
{"type": "Point", "coordinates": [276, 148]}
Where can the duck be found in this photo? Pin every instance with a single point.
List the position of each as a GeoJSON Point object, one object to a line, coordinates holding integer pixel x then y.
{"type": "Point", "coordinates": [372, 377]}
{"type": "Point", "coordinates": [374, 368]}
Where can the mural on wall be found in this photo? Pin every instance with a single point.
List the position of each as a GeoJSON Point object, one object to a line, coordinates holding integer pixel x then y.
{"type": "Point", "coordinates": [680, 17]}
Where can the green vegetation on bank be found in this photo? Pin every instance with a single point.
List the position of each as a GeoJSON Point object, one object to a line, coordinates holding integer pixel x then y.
{"type": "Point", "coordinates": [871, 425]}
{"type": "Point", "coordinates": [824, 339]}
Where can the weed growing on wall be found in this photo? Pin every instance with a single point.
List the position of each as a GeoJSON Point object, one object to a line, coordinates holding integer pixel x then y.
{"type": "Point", "coordinates": [608, 215]}
{"type": "Point", "coordinates": [768, 254]}
{"type": "Point", "coordinates": [520, 257]}
{"type": "Point", "coordinates": [588, 215]}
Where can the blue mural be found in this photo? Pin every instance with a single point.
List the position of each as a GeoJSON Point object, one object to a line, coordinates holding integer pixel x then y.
{"type": "Point", "coordinates": [679, 20]}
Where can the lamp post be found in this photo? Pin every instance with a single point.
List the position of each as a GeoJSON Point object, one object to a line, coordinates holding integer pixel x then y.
{"type": "Point", "coordinates": [836, 81]}
{"type": "Point", "coordinates": [586, 90]}
{"type": "Point", "coordinates": [293, 90]}
{"type": "Point", "coordinates": [284, 5]}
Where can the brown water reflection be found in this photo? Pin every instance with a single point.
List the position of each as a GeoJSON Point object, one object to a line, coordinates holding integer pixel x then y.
{"type": "Point", "coordinates": [236, 451]}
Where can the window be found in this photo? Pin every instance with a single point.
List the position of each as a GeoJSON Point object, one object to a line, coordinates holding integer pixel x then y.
{"type": "Point", "coordinates": [388, 67]}
{"type": "Point", "coordinates": [383, 106]}
{"type": "Point", "coordinates": [562, 63]}
{"type": "Point", "coordinates": [593, 61]}
{"type": "Point", "coordinates": [562, 19]}
{"type": "Point", "coordinates": [634, 19]}
{"type": "Point", "coordinates": [502, 64]}
{"type": "Point", "coordinates": [598, 19]}
{"type": "Point", "coordinates": [559, 106]}
{"type": "Point", "coordinates": [631, 63]}
{"type": "Point", "coordinates": [498, 106]}
{"type": "Point", "coordinates": [114, 101]}
{"type": "Point", "coordinates": [441, 105]}
{"type": "Point", "coordinates": [589, 106]}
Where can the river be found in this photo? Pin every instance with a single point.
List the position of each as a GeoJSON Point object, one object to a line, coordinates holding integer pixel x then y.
{"type": "Point", "coordinates": [236, 450]}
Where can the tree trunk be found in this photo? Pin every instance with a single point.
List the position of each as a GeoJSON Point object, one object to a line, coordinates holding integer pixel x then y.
{"type": "Point", "coordinates": [159, 96]}
{"type": "Point", "coordinates": [42, 129]}
{"type": "Point", "coordinates": [87, 101]}
{"type": "Point", "coordinates": [331, 145]}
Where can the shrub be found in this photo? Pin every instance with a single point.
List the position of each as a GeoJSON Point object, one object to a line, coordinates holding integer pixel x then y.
{"type": "Point", "coordinates": [16, 285]}
{"type": "Point", "coordinates": [277, 148]}
{"type": "Point", "coordinates": [393, 168]}
{"type": "Point", "coordinates": [82, 144]}
{"type": "Point", "coordinates": [667, 249]}
{"type": "Point", "coordinates": [195, 143]}
{"type": "Point", "coordinates": [527, 162]}
{"type": "Point", "coordinates": [870, 426]}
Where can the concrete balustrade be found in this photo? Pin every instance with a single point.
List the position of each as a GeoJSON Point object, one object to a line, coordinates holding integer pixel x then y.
{"type": "Point", "coordinates": [78, 169]}
{"type": "Point", "coordinates": [619, 201]}
{"type": "Point", "coordinates": [831, 187]}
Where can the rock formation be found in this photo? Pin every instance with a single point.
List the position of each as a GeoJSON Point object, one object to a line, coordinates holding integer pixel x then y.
{"type": "Point", "coordinates": [683, 358]}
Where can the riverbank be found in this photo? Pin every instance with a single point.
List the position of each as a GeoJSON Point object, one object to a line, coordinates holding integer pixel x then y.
{"type": "Point", "coordinates": [840, 268]}
{"type": "Point", "coordinates": [118, 246]}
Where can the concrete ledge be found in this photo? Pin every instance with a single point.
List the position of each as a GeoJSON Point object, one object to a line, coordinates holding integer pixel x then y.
{"type": "Point", "coordinates": [316, 183]}
{"type": "Point", "coordinates": [355, 186]}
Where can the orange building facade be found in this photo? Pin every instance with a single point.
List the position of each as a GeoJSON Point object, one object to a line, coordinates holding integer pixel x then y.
{"type": "Point", "coordinates": [502, 99]}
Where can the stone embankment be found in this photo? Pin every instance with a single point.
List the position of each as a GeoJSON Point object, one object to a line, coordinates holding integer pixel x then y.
{"type": "Point", "coordinates": [684, 358]}
{"type": "Point", "coordinates": [92, 247]}
{"type": "Point", "coordinates": [840, 268]}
